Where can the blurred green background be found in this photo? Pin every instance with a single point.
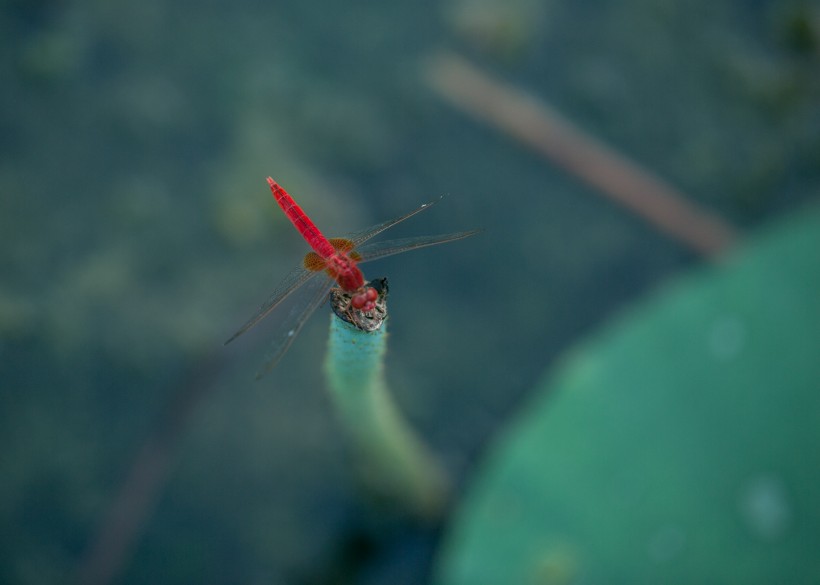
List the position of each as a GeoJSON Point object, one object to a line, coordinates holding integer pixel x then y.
{"type": "Point", "coordinates": [138, 233]}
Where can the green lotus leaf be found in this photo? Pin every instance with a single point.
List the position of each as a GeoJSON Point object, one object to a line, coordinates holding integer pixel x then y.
{"type": "Point", "coordinates": [680, 445]}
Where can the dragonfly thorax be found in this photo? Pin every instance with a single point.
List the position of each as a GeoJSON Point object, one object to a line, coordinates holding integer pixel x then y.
{"type": "Point", "coordinates": [342, 268]}
{"type": "Point", "coordinates": [344, 271]}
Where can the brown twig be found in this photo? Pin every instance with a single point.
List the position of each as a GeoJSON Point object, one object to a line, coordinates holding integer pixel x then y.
{"type": "Point", "coordinates": [539, 126]}
{"type": "Point", "coordinates": [122, 525]}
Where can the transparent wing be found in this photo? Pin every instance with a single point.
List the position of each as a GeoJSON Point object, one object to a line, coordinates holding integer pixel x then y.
{"type": "Point", "coordinates": [390, 247]}
{"type": "Point", "coordinates": [362, 236]}
{"type": "Point", "coordinates": [289, 328]}
{"type": "Point", "coordinates": [291, 282]}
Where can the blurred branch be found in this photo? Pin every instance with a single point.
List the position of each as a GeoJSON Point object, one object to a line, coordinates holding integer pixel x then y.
{"type": "Point", "coordinates": [537, 125]}
{"type": "Point", "coordinates": [122, 525]}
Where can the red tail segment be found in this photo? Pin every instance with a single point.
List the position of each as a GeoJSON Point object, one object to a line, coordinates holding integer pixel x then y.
{"type": "Point", "coordinates": [301, 221]}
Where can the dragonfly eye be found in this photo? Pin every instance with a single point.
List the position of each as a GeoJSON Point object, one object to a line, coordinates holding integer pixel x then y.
{"type": "Point", "coordinates": [359, 300]}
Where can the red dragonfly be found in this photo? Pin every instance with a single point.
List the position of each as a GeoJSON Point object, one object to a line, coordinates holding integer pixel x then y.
{"type": "Point", "coordinates": [339, 259]}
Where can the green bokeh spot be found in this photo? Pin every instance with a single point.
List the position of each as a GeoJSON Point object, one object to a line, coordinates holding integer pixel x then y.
{"type": "Point", "coordinates": [681, 445]}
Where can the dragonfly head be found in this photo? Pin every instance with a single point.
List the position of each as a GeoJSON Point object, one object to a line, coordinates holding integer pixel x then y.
{"type": "Point", "coordinates": [365, 308]}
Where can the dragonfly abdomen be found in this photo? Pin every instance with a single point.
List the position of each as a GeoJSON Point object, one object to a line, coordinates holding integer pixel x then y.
{"type": "Point", "coordinates": [301, 221]}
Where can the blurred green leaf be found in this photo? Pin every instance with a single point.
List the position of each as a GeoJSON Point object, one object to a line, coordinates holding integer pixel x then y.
{"type": "Point", "coordinates": [678, 446]}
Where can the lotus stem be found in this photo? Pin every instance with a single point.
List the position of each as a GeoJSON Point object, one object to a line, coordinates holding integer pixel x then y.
{"type": "Point", "coordinates": [396, 463]}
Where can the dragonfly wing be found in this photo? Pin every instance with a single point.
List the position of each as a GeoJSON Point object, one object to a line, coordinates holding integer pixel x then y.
{"type": "Point", "coordinates": [361, 237]}
{"type": "Point", "coordinates": [291, 326]}
{"type": "Point", "coordinates": [391, 247]}
{"type": "Point", "coordinates": [292, 281]}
